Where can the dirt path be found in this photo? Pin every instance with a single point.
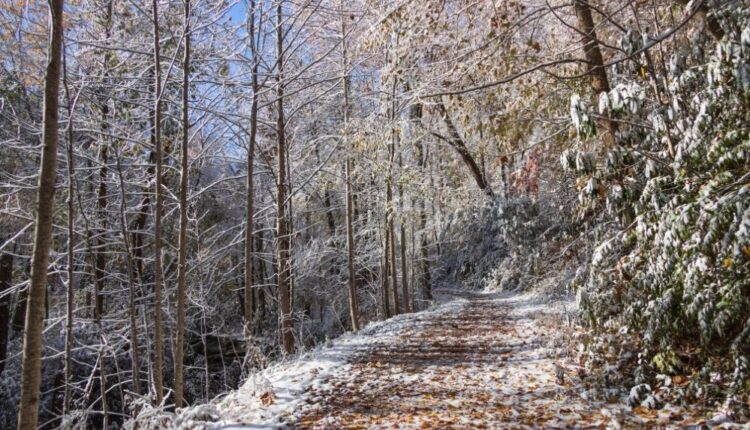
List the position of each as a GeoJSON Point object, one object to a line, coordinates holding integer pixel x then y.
{"type": "Point", "coordinates": [490, 363]}
{"type": "Point", "coordinates": [478, 361]}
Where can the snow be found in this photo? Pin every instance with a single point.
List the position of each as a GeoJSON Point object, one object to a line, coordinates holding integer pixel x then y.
{"type": "Point", "coordinates": [292, 380]}
{"type": "Point", "coordinates": [479, 360]}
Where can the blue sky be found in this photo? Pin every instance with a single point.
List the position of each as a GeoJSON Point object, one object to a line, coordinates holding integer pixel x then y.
{"type": "Point", "coordinates": [237, 11]}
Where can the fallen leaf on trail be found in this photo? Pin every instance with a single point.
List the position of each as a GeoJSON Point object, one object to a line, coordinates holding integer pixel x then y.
{"type": "Point", "coordinates": [267, 398]}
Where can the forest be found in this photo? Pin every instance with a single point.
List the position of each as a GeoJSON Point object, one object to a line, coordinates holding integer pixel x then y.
{"type": "Point", "coordinates": [374, 214]}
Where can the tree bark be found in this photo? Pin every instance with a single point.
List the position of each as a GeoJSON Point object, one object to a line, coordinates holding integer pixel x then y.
{"type": "Point", "coordinates": [424, 260]}
{"type": "Point", "coordinates": [70, 294]}
{"type": "Point", "coordinates": [32, 343]}
{"type": "Point", "coordinates": [454, 139]}
{"type": "Point", "coordinates": [389, 208]}
{"type": "Point", "coordinates": [158, 274]}
{"type": "Point", "coordinates": [385, 271]}
{"type": "Point", "coordinates": [182, 242]}
{"type": "Point", "coordinates": [250, 196]}
{"type": "Point", "coordinates": [19, 315]}
{"type": "Point", "coordinates": [6, 281]}
{"type": "Point", "coordinates": [282, 233]}
{"type": "Point", "coordinates": [595, 66]}
{"type": "Point", "coordinates": [132, 310]}
{"type": "Point", "coordinates": [402, 243]}
{"type": "Point", "coordinates": [100, 261]}
{"type": "Point", "coordinates": [352, 275]}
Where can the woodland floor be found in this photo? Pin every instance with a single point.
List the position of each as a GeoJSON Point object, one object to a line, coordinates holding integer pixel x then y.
{"type": "Point", "coordinates": [480, 361]}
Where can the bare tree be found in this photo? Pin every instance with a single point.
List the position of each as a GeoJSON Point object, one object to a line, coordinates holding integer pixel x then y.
{"type": "Point", "coordinates": [179, 352]}
{"type": "Point", "coordinates": [32, 343]}
{"type": "Point", "coordinates": [352, 281]}
{"type": "Point", "coordinates": [282, 230]}
{"type": "Point", "coordinates": [250, 191]}
{"type": "Point", "coordinates": [158, 274]}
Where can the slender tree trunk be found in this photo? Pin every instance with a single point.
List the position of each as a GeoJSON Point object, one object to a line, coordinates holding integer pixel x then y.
{"type": "Point", "coordinates": [422, 267]}
{"type": "Point", "coordinates": [100, 255]}
{"type": "Point", "coordinates": [103, 385]}
{"type": "Point", "coordinates": [282, 233]}
{"type": "Point", "coordinates": [392, 266]}
{"type": "Point", "coordinates": [260, 278]}
{"type": "Point", "coordinates": [19, 315]}
{"type": "Point", "coordinates": [132, 309]}
{"type": "Point", "coordinates": [158, 339]}
{"type": "Point", "coordinates": [182, 244]}
{"type": "Point", "coordinates": [454, 139]}
{"type": "Point", "coordinates": [352, 281]}
{"type": "Point", "coordinates": [424, 259]}
{"type": "Point", "coordinates": [402, 243]}
{"type": "Point", "coordinates": [595, 63]}
{"type": "Point", "coordinates": [290, 231]}
{"type": "Point", "coordinates": [386, 271]}
{"type": "Point", "coordinates": [71, 248]}
{"type": "Point", "coordinates": [100, 261]}
{"type": "Point", "coordinates": [390, 210]}
{"type": "Point", "coordinates": [250, 196]}
{"type": "Point", "coordinates": [404, 271]}
{"type": "Point", "coordinates": [32, 343]}
{"type": "Point", "coordinates": [6, 281]}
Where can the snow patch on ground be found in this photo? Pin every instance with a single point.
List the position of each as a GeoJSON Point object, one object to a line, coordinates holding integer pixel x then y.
{"type": "Point", "coordinates": [271, 397]}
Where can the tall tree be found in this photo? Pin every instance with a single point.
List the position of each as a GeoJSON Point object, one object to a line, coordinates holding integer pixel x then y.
{"type": "Point", "coordinates": [282, 231]}
{"type": "Point", "coordinates": [352, 281]}
{"type": "Point", "coordinates": [70, 294]}
{"type": "Point", "coordinates": [182, 243]}
{"type": "Point", "coordinates": [158, 274]}
{"type": "Point", "coordinates": [32, 342]}
{"type": "Point", "coordinates": [250, 191]}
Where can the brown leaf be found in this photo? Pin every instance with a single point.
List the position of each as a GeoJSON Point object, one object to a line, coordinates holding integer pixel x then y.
{"type": "Point", "coordinates": [267, 398]}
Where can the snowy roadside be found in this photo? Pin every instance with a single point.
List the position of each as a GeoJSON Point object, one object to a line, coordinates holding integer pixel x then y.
{"type": "Point", "coordinates": [272, 397]}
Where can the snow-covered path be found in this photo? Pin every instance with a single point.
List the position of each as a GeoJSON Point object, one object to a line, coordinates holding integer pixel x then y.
{"type": "Point", "coordinates": [482, 362]}
{"type": "Point", "coordinates": [477, 361]}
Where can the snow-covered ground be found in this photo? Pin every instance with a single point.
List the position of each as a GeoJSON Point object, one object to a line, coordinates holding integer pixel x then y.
{"type": "Point", "coordinates": [476, 361]}
{"type": "Point", "coordinates": [272, 398]}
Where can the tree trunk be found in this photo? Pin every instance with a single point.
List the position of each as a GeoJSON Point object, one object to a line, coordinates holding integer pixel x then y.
{"type": "Point", "coordinates": [32, 343]}
{"type": "Point", "coordinates": [389, 209]}
{"type": "Point", "coordinates": [182, 243]}
{"type": "Point", "coordinates": [19, 315]}
{"type": "Point", "coordinates": [424, 262]}
{"type": "Point", "coordinates": [132, 310]}
{"type": "Point", "coordinates": [250, 196]}
{"type": "Point", "coordinates": [282, 233]}
{"type": "Point", "coordinates": [100, 261]}
{"type": "Point", "coordinates": [158, 337]}
{"type": "Point", "coordinates": [6, 281]}
{"type": "Point", "coordinates": [385, 272]}
{"type": "Point", "coordinates": [260, 278]}
{"type": "Point", "coordinates": [595, 66]}
{"type": "Point", "coordinates": [352, 275]}
{"type": "Point", "coordinates": [402, 243]}
{"type": "Point", "coordinates": [454, 139]}
{"type": "Point", "coordinates": [69, 303]}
